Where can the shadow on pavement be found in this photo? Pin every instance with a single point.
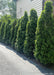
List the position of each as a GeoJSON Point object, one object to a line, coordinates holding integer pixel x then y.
{"type": "Point", "coordinates": [43, 69]}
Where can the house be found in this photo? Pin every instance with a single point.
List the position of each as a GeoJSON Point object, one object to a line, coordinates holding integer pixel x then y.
{"type": "Point", "coordinates": [27, 5]}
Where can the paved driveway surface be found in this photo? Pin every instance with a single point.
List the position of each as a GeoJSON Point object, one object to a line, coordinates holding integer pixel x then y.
{"type": "Point", "coordinates": [12, 63]}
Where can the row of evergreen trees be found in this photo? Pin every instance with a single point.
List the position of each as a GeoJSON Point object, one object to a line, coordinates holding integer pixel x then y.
{"type": "Point", "coordinates": [29, 35]}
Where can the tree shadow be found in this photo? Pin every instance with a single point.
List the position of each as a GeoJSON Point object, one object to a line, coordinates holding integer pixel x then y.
{"type": "Point", "coordinates": [43, 69]}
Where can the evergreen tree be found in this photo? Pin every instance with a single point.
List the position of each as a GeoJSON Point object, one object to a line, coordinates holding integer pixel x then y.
{"type": "Point", "coordinates": [12, 29]}
{"type": "Point", "coordinates": [16, 45]}
{"type": "Point", "coordinates": [0, 28]}
{"type": "Point", "coordinates": [12, 8]}
{"type": "Point", "coordinates": [29, 43]}
{"type": "Point", "coordinates": [44, 49]}
{"type": "Point", "coordinates": [2, 31]}
{"type": "Point", "coordinates": [7, 33]}
{"type": "Point", "coordinates": [6, 30]}
{"type": "Point", "coordinates": [14, 34]}
{"type": "Point", "coordinates": [21, 33]}
{"type": "Point", "coordinates": [4, 22]}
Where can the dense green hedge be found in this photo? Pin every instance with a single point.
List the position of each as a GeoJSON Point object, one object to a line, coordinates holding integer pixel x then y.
{"type": "Point", "coordinates": [29, 43]}
{"type": "Point", "coordinates": [12, 32]}
{"type": "Point", "coordinates": [29, 35]}
{"type": "Point", "coordinates": [21, 33]}
{"type": "Point", "coordinates": [44, 49]}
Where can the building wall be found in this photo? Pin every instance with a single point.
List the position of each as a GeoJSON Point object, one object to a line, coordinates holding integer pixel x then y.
{"type": "Point", "coordinates": [26, 5]}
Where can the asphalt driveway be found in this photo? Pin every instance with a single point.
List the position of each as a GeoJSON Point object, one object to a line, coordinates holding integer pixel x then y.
{"type": "Point", "coordinates": [13, 63]}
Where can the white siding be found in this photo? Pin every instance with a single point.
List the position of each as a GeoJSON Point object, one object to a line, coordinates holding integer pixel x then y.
{"type": "Point", "coordinates": [26, 5]}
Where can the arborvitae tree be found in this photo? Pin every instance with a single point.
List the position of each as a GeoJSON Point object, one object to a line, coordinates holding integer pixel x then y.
{"type": "Point", "coordinates": [13, 24]}
{"type": "Point", "coordinates": [4, 20]}
{"type": "Point", "coordinates": [15, 28]}
{"type": "Point", "coordinates": [0, 23]}
{"type": "Point", "coordinates": [2, 31]}
{"type": "Point", "coordinates": [6, 30]}
{"type": "Point", "coordinates": [44, 49]}
{"type": "Point", "coordinates": [16, 45]}
{"type": "Point", "coordinates": [0, 28]}
{"type": "Point", "coordinates": [21, 33]}
{"type": "Point", "coordinates": [15, 33]}
{"type": "Point", "coordinates": [29, 43]}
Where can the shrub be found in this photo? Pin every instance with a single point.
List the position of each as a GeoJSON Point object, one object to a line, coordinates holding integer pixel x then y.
{"type": "Point", "coordinates": [16, 45]}
{"type": "Point", "coordinates": [21, 33]}
{"type": "Point", "coordinates": [2, 31]}
{"type": "Point", "coordinates": [7, 35]}
{"type": "Point", "coordinates": [12, 29]}
{"type": "Point", "coordinates": [6, 30]}
{"type": "Point", "coordinates": [29, 43]}
{"type": "Point", "coordinates": [44, 49]}
{"type": "Point", "coordinates": [5, 23]}
{"type": "Point", "coordinates": [15, 33]}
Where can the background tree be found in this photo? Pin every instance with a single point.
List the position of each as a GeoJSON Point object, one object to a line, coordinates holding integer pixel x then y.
{"type": "Point", "coordinates": [8, 7]}
{"type": "Point", "coordinates": [12, 8]}
{"type": "Point", "coordinates": [4, 7]}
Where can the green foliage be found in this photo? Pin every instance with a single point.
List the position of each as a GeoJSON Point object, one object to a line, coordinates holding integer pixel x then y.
{"type": "Point", "coordinates": [8, 7]}
{"type": "Point", "coordinates": [29, 43]}
{"type": "Point", "coordinates": [21, 33]}
{"type": "Point", "coordinates": [44, 49]}
{"type": "Point", "coordinates": [7, 32]}
{"type": "Point", "coordinates": [12, 8]}
{"type": "Point", "coordinates": [0, 28]}
{"type": "Point", "coordinates": [2, 31]}
{"type": "Point", "coordinates": [29, 36]}
{"type": "Point", "coordinates": [14, 33]}
{"type": "Point", "coordinates": [48, 8]}
{"type": "Point", "coordinates": [12, 29]}
{"type": "Point", "coordinates": [16, 45]}
{"type": "Point", "coordinates": [3, 5]}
